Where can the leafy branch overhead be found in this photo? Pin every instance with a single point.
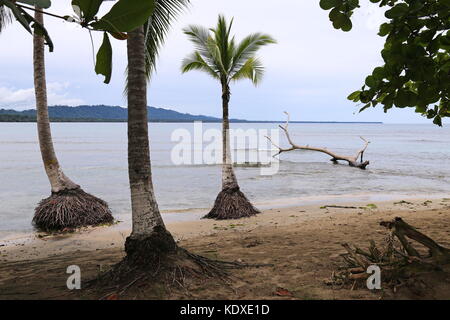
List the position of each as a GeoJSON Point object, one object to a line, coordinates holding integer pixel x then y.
{"type": "Point", "coordinates": [27, 20]}
{"type": "Point", "coordinates": [416, 72]}
{"type": "Point", "coordinates": [124, 16]}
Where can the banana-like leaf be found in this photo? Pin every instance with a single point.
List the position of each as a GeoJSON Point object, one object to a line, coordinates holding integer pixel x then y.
{"type": "Point", "coordinates": [43, 4]}
{"type": "Point", "coordinates": [103, 64]}
{"type": "Point", "coordinates": [125, 16]}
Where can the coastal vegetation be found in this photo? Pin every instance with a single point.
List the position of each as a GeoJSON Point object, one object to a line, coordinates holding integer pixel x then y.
{"type": "Point", "coordinates": [416, 70]}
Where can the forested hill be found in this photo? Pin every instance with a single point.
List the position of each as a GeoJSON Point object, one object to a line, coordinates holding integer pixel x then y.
{"type": "Point", "coordinates": [103, 113]}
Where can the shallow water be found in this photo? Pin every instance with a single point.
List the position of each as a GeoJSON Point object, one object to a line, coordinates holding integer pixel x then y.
{"type": "Point", "coordinates": [406, 160]}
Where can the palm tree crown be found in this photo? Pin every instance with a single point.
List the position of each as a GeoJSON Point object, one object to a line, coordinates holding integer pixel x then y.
{"type": "Point", "coordinates": [218, 54]}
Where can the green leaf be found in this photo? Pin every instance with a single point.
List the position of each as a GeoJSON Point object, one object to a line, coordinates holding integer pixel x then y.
{"type": "Point", "coordinates": [438, 121]}
{"type": "Point", "coordinates": [125, 16]}
{"type": "Point", "coordinates": [354, 96]}
{"type": "Point", "coordinates": [371, 82]}
{"type": "Point", "coordinates": [397, 11]}
{"type": "Point", "coordinates": [103, 63]}
{"type": "Point", "coordinates": [43, 4]}
{"type": "Point", "coordinates": [385, 29]}
{"type": "Point", "coordinates": [89, 8]}
{"type": "Point", "coordinates": [405, 98]}
{"type": "Point", "coordinates": [328, 4]}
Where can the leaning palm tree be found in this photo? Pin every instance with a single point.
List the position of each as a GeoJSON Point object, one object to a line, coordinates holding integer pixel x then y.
{"type": "Point", "coordinates": [218, 55]}
{"type": "Point", "coordinates": [68, 206]}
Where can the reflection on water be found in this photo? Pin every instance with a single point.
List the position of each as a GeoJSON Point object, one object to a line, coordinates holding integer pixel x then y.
{"type": "Point", "coordinates": [405, 160]}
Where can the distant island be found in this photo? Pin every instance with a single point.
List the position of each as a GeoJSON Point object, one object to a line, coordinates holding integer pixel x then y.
{"type": "Point", "coordinates": [102, 113]}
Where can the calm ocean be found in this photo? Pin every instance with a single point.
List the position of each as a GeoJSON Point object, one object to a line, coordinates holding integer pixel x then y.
{"type": "Point", "coordinates": [406, 161]}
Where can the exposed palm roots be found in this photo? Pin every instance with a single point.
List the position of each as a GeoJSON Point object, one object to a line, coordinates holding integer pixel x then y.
{"type": "Point", "coordinates": [231, 204]}
{"type": "Point", "coordinates": [158, 260]}
{"type": "Point", "coordinates": [400, 263]}
{"type": "Point", "coordinates": [71, 209]}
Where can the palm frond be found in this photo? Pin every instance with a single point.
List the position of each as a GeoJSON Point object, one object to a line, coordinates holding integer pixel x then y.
{"type": "Point", "coordinates": [248, 47]}
{"type": "Point", "coordinates": [196, 62]}
{"type": "Point", "coordinates": [220, 54]}
{"type": "Point", "coordinates": [205, 46]}
{"type": "Point", "coordinates": [5, 17]}
{"type": "Point", "coordinates": [222, 42]}
{"type": "Point", "coordinates": [156, 30]}
{"type": "Point", "coordinates": [199, 36]}
{"type": "Point", "coordinates": [252, 69]}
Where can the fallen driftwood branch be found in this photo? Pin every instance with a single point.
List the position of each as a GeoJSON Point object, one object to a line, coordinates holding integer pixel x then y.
{"type": "Point", "coordinates": [399, 261]}
{"type": "Point", "coordinates": [356, 161]}
{"type": "Point", "coordinates": [342, 207]}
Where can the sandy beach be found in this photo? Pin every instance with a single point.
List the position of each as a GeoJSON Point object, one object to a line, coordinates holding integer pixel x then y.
{"type": "Point", "coordinates": [302, 244]}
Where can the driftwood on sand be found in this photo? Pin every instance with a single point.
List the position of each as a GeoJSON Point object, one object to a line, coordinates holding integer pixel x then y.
{"type": "Point", "coordinates": [401, 264]}
{"type": "Point", "coordinates": [356, 161]}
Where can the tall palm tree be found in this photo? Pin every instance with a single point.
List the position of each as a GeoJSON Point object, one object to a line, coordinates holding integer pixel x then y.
{"type": "Point", "coordinates": [149, 237]}
{"type": "Point", "coordinates": [147, 220]}
{"type": "Point", "coordinates": [143, 47]}
{"type": "Point", "coordinates": [218, 55]}
{"type": "Point", "coordinates": [68, 206]}
{"type": "Point", "coordinates": [151, 251]}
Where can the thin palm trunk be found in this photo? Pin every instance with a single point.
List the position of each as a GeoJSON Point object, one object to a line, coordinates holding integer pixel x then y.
{"type": "Point", "coordinates": [230, 203]}
{"type": "Point", "coordinates": [146, 215]}
{"type": "Point", "coordinates": [58, 180]}
{"type": "Point", "coordinates": [229, 180]}
{"type": "Point", "coordinates": [68, 206]}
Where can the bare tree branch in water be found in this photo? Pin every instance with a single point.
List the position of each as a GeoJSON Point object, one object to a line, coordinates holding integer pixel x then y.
{"type": "Point", "coordinates": [356, 161]}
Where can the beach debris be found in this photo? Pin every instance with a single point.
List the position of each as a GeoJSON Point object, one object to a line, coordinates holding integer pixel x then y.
{"type": "Point", "coordinates": [356, 161]}
{"type": "Point", "coordinates": [403, 202]}
{"type": "Point", "coordinates": [402, 265]}
{"type": "Point", "coordinates": [341, 207]}
{"type": "Point", "coordinates": [282, 292]}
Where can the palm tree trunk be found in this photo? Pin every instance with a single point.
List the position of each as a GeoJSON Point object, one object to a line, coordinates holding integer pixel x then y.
{"type": "Point", "coordinates": [229, 180]}
{"type": "Point", "coordinates": [145, 211]}
{"type": "Point", "coordinates": [149, 239]}
{"type": "Point", "coordinates": [68, 206]}
{"type": "Point", "coordinates": [58, 180]}
{"type": "Point", "coordinates": [230, 203]}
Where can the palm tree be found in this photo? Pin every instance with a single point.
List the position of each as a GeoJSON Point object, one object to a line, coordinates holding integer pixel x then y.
{"type": "Point", "coordinates": [143, 47]}
{"type": "Point", "coordinates": [151, 251]}
{"type": "Point", "coordinates": [149, 234]}
{"type": "Point", "coordinates": [218, 55]}
{"type": "Point", "coordinates": [68, 206]}
{"type": "Point", "coordinates": [149, 237]}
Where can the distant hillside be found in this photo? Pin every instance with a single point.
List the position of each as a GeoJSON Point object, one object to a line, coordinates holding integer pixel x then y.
{"type": "Point", "coordinates": [104, 114]}
{"type": "Point", "coordinates": [118, 114]}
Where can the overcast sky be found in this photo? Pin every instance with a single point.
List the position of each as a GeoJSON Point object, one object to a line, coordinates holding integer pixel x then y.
{"type": "Point", "coordinates": [309, 72]}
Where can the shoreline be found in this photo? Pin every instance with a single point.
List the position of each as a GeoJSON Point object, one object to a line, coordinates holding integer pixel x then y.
{"type": "Point", "coordinates": [34, 245]}
{"type": "Point", "coordinates": [195, 214]}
